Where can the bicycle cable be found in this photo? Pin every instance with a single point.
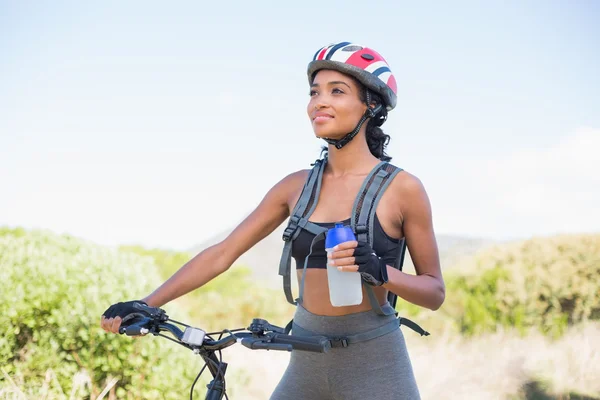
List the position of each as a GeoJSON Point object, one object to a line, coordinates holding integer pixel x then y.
{"type": "Point", "coordinates": [180, 323]}
{"type": "Point", "coordinates": [220, 373]}
{"type": "Point", "coordinates": [216, 377]}
{"type": "Point", "coordinates": [226, 330]}
{"type": "Point", "coordinates": [196, 380]}
{"type": "Point", "coordinates": [172, 340]}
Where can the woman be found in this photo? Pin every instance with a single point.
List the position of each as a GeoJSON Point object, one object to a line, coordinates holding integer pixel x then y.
{"type": "Point", "coordinates": [349, 85]}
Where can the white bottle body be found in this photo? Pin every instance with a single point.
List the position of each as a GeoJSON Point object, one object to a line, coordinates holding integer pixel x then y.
{"type": "Point", "coordinates": [345, 288]}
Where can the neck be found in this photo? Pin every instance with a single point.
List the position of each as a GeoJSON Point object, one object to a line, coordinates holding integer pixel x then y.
{"type": "Point", "coordinates": [353, 159]}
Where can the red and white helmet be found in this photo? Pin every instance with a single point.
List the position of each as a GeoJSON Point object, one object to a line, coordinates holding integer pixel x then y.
{"type": "Point", "coordinates": [363, 63]}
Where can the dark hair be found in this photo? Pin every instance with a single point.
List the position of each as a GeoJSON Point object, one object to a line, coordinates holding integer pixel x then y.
{"type": "Point", "coordinates": [377, 140]}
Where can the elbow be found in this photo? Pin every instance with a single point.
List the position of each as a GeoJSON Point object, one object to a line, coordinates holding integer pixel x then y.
{"type": "Point", "coordinates": [224, 261]}
{"type": "Point", "coordinates": [438, 297]}
{"type": "Point", "coordinates": [219, 258]}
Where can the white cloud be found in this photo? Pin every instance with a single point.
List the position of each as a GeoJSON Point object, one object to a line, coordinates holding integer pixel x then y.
{"type": "Point", "coordinates": [535, 191]}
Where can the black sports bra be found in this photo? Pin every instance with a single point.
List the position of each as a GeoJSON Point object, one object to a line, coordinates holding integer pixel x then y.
{"type": "Point", "coordinates": [385, 246]}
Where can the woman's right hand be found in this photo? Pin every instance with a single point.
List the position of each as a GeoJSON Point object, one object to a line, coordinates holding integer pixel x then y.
{"type": "Point", "coordinates": [117, 313]}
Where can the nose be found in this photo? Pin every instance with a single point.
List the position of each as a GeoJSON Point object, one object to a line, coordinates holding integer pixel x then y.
{"type": "Point", "coordinates": [320, 103]}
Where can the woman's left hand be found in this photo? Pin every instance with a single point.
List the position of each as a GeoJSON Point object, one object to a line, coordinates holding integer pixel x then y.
{"type": "Point", "coordinates": [342, 256]}
{"type": "Point", "coordinates": [356, 256]}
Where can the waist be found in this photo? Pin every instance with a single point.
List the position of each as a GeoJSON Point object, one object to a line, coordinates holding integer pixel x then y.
{"type": "Point", "coordinates": [347, 324]}
{"type": "Point", "coordinates": [316, 295]}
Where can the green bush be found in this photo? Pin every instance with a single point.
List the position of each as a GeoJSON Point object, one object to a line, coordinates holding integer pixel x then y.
{"type": "Point", "coordinates": [544, 283]}
{"type": "Point", "coordinates": [53, 292]}
{"type": "Point", "coordinates": [167, 261]}
{"type": "Point", "coordinates": [229, 301]}
{"type": "Point", "coordinates": [233, 300]}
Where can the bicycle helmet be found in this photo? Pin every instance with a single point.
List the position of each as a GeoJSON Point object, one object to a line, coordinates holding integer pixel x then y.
{"type": "Point", "coordinates": [365, 65]}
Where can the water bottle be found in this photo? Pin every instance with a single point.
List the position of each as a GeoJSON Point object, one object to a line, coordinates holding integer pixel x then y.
{"type": "Point", "coordinates": [345, 288]}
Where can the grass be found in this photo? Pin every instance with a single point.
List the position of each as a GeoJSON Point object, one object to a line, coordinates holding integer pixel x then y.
{"type": "Point", "coordinates": [14, 388]}
{"type": "Point", "coordinates": [505, 365]}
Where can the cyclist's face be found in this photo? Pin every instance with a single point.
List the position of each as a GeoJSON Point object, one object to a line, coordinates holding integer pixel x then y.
{"type": "Point", "coordinates": [335, 106]}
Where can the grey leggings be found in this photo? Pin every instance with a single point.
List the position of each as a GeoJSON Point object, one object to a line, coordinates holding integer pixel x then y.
{"type": "Point", "coordinates": [376, 369]}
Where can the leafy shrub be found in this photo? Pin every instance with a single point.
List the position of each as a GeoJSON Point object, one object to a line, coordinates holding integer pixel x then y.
{"type": "Point", "coordinates": [53, 292]}
{"type": "Point", "coordinates": [229, 301]}
{"type": "Point", "coordinates": [545, 283]}
{"type": "Point", "coordinates": [167, 261]}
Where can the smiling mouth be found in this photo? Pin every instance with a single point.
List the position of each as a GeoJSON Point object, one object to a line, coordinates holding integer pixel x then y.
{"type": "Point", "coordinates": [319, 118]}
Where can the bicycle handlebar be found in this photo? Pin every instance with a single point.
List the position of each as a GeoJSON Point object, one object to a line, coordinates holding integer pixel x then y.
{"type": "Point", "coordinates": [254, 344]}
{"type": "Point", "coordinates": [317, 344]}
{"type": "Point", "coordinates": [259, 336]}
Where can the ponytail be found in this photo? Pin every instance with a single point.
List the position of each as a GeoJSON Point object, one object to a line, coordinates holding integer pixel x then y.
{"type": "Point", "coordinates": [377, 140]}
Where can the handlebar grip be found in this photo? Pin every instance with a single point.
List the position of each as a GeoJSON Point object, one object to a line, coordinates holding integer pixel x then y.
{"type": "Point", "coordinates": [257, 344]}
{"type": "Point", "coordinates": [317, 344]}
{"type": "Point", "coordinates": [135, 328]}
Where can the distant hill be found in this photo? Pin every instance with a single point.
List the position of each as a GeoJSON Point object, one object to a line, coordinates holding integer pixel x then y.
{"type": "Point", "coordinates": [264, 257]}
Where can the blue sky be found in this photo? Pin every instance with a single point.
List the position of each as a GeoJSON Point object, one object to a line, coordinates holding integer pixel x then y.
{"type": "Point", "coordinates": [142, 122]}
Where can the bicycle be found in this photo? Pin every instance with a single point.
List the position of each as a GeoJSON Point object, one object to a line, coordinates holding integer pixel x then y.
{"type": "Point", "coordinates": [260, 335]}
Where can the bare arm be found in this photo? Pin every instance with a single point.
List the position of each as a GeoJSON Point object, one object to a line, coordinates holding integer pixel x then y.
{"type": "Point", "coordinates": [426, 288]}
{"type": "Point", "coordinates": [215, 260]}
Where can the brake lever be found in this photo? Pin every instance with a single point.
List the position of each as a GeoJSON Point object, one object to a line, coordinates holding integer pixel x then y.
{"type": "Point", "coordinates": [259, 326]}
{"type": "Point", "coordinates": [154, 312]}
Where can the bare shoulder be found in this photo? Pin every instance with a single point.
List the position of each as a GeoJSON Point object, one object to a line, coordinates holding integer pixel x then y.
{"type": "Point", "coordinates": [295, 178]}
{"type": "Point", "coordinates": [286, 192]}
{"type": "Point", "coordinates": [291, 186]}
{"type": "Point", "coordinates": [407, 183]}
{"type": "Point", "coordinates": [408, 191]}
{"type": "Point", "coordinates": [266, 217]}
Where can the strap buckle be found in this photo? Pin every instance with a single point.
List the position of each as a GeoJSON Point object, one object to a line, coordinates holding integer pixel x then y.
{"type": "Point", "coordinates": [287, 234]}
{"type": "Point", "coordinates": [338, 342]}
{"type": "Point", "coordinates": [361, 229]}
{"type": "Point", "coordinates": [291, 228]}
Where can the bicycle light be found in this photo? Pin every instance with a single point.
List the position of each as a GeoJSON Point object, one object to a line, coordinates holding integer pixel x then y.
{"type": "Point", "coordinates": [193, 336]}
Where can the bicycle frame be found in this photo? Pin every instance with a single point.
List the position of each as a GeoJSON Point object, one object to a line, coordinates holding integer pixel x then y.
{"type": "Point", "coordinates": [217, 368]}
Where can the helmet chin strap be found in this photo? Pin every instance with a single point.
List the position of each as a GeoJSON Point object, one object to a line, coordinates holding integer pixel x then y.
{"type": "Point", "coordinates": [369, 113]}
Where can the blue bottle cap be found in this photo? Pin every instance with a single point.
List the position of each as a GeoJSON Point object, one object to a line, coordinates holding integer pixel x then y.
{"type": "Point", "coordinates": [338, 234]}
